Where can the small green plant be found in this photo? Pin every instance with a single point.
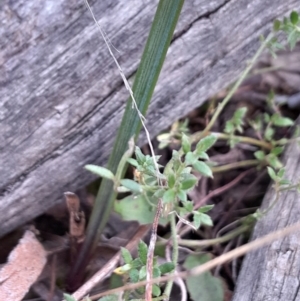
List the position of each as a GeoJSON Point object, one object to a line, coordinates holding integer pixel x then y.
{"type": "Point", "coordinates": [135, 270]}
{"type": "Point", "coordinates": [171, 186]}
{"type": "Point", "coordinates": [235, 124]}
{"type": "Point", "coordinates": [154, 184]}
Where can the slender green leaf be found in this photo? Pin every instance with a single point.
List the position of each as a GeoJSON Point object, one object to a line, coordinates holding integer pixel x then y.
{"type": "Point", "coordinates": [203, 155]}
{"type": "Point", "coordinates": [281, 172]}
{"type": "Point", "coordinates": [132, 185]}
{"type": "Point", "coordinates": [186, 144]}
{"type": "Point", "coordinates": [281, 121]}
{"type": "Point", "coordinates": [133, 162]}
{"type": "Point", "coordinates": [143, 251]}
{"type": "Point", "coordinates": [203, 169]}
{"type": "Point", "coordinates": [100, 171]}
{"type": "Point", "coordinates": [154, 54]}
{"type": "Point", "coordinates": [206, 208]}
{"type": "Point", "coordinates": [171, 179]}
{"type": "Point", "coordinates": [206, 143]}
{"type": "Point", "coordinates": [277, 150]}
{"type": "Point", "coordinates": [126, 255]}
{"type": "Point", "coordinates": [272, 173]}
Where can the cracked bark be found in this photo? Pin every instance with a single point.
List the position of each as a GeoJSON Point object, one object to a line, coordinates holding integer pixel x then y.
{"type": "Point", "coordinates": [272, 273]}
{"type": "Point", "coordinates": [61, 96]}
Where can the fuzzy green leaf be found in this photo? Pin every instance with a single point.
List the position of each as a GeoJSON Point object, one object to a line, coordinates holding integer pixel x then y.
{"type": "Point", "coordinates": [140, 157]}
{"type": "Point", "coordinates": [281, 121]}
{"type": "Point", "coordinates": [137, 208]}
{"type": "Point", "coordinates": [206, 143]}
{"type": "Point", "coordinates": [169, 196]}
{"type": "Point", "coordinates": [68, 297]}
{"type": "Point", "coordinates": [136, 263]}
{"type": "Point", "coordinates": [276, 25]}
{"type": "Point", "coordinates": [272, 173]}
{"type": "Point", "coordinates": [188, 182]}
{"type": "Point", "coordinates": [190, 158]}
{"type": "Point", "coordinates": [156, 272]}
{"type": "Point", "coordinates": [134, 275]}
{"type": "Point", "coordinates": [100, 171]}
{"type": "Point", "coordinates": [269, 133]}
{"type": "Point", "coordinates": [126, 255]}
{"type": "Point", "coordinates": [206, 208]}
{"type": "Point", "coordinates": [204, 287]}
{"type": "Point", "coordinates": [281, 172]}
{"type": "Point", "coordinates": [201, 219]}
{"type": "Point", "coordinates": [203, 169]}
{"type": "Point", "coordinates": [142, 251]}
{"type": "Point", "coordinates": [133, 162]}
{"type": "Point", "coordinates": [166, 267]}
{"type": "Point", "coordinates": [156, 290]}
{"type": "Point", "coordinates": [171, 179]}
{"type": "Point", "coordinates": [143, 273]}
{"type": "Point", "coordinates": [188, 205]}
{"type": "Point", "coordinates": [259, 155]}
{"type": "Point", "coordinates": [196, 221]}
{"type": "Point", "coordinates": [182, 195]}
{"type": "Point", "coordinates": [203, 155]}
{"type": "Point", "coordinates": [186, 144]}
{"type": "Point", "coordinates": [274, 161]}
{"type": "Point", "coordinates": [131, 185]}
{"type": "Point", "coordinates": [294, 17]}
{"type": "Point", "coordinates": [206, 219]}
{"type": "Point", "coordinates": [285, 182]}
{"type": "Point", "coordinates": [277, 150]}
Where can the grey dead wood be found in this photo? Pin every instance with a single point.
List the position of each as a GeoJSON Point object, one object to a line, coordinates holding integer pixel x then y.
{"type": "Point", "coordinates": [61, 97]}
{"type": "Point", "coordinates": [272, 272]}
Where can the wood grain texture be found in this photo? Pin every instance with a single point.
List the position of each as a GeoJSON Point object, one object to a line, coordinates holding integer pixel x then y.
{"type": "Point", "coordinates": [61, 97]}
{"type": "Point", "coordinates": [272, 273]}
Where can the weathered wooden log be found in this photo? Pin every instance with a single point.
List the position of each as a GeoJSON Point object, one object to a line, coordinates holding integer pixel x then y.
{"type": "Point", "coordinates": [62, 97]}
{"type": "Point", "coordinates": [272, 272]}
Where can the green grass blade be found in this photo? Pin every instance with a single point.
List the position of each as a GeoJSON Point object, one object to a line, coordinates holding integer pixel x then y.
{"type": "Point", "coordinates": [154, 54]}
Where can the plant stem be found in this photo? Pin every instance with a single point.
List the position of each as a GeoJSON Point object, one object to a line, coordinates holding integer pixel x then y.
{"type": "Point", "coordinates": [234, 165]}
{"type": "Point", "coordinates": [169, 285]}
{"type": "Point", "coordinates": [236, 86]}
{"type": "Point", "coordinates": [214, 241]}
{"type": "Point", "coordinates": [261, 143]}
{"type": "Point", "coordinates": [154, 54]}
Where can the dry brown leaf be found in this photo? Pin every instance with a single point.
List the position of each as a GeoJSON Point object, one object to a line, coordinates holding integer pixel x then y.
{"type": "Point", "coordinates": [25, 264]}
